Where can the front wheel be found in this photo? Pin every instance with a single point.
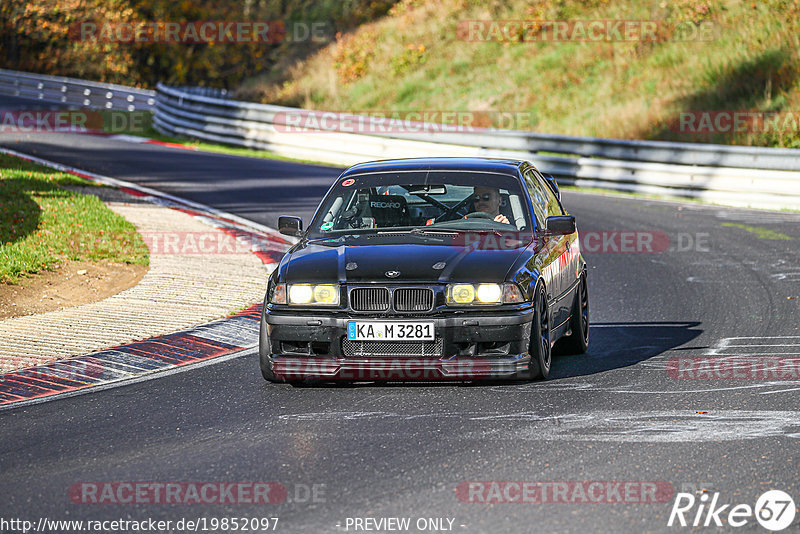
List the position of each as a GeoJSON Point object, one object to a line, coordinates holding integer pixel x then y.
{"type": "Point", "coordinates": [541, 355]}
{"type": "Point", "coordinates": [265, 360]}
{"type": "Point", "coordinates": [578, 341]}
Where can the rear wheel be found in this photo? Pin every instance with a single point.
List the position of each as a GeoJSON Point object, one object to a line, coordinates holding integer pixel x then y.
{"type": "Point", "coordinates": [578, 341]}
{"type": "Point", "coordinates": [541, 355]}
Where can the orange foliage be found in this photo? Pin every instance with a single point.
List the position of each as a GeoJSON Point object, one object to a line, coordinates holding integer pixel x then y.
{"type": "Point", "coordinates": [44, 36]}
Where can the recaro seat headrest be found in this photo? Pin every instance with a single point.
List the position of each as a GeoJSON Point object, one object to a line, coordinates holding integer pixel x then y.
{"type": "Point", "coordinates": [389, 211]}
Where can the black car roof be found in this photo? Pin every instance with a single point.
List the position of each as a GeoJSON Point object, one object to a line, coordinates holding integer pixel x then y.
{"type": "Point", "coordinates": [501, 166]}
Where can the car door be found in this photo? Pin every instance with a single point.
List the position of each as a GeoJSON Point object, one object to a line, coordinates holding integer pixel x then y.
{"type": "Point", "coordinates": [556, 250]}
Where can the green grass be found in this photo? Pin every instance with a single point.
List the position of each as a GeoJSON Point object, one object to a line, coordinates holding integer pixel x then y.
{"type": "Point", "coordinates": [42, 223]}
{"type": "Point", "coordinates": [626, 89]}
{"type": "Point", "coordinates": [761, 233]}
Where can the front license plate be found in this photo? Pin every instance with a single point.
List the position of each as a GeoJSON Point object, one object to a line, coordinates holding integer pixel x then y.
{"type": "Point", "coordinates": [382, 331]}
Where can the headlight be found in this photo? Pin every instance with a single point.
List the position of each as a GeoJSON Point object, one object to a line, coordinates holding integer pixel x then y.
{"type": "Point", "coordinates": [489, 293]}
{"type": "Point", "coordinates": [483, 294]}
{"type": "Point", "coordinates": [309, 294]}
{"type": "Point", "coordinates": [300, 294]}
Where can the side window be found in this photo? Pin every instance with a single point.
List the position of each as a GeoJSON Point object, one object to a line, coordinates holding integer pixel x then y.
{"type": "Point", "coordinates": [538, 197]}
{"type": "Point", "coordinates": [553, 207]}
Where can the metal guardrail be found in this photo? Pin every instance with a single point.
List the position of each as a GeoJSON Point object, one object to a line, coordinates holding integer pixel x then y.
{"type": "Point", "coordinates": [212, 92]}
{"type": "Point", "coordinates": [732, 175]}
{"type": "Point", "coordinates": [74, 92]}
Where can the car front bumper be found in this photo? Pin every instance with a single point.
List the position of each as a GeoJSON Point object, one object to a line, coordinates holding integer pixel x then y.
{"type": "Point", "coordinates": [467, 347]}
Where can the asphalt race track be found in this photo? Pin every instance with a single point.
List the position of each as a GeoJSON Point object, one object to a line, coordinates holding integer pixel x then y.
{"type": "Point", "coordinates": [725, 287]}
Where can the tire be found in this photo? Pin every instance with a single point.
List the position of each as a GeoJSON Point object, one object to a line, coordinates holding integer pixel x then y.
{"type": "Point", "coordinates": [264, 354]}
{"type": "Point", "coordinates": [540, 350]}
{"type": "Point", "coordinates": [578, 341]}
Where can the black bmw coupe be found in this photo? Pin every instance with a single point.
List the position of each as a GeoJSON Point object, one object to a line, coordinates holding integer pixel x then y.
{"type": "Point", "coordinates": [428, 269]}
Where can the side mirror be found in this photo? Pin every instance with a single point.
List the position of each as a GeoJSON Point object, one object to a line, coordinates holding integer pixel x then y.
{"type": "Point", "coordinates": [292, 226]}
{"type": "Point", "coordinates": [551, 181]}
{"type": "Point", "coordinates": [560, 224]}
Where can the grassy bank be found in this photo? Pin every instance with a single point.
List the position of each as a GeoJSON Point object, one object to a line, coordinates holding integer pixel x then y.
{"type": "Point", "coordinates": [42, 223]}
{"type": "Point", "coordinates": [745, 58]}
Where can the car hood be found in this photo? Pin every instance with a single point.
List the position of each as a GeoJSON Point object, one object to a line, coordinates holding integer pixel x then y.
{"type": "Point", "coordinates": [414, 262]}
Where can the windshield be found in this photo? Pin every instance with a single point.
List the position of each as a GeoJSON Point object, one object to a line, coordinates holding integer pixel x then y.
{"type": "Point", "coordinates": [422, 201]}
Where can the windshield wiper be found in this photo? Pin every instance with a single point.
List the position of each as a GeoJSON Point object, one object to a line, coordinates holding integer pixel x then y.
{"type": "Point", "coordinates": [413, 231]}
{"type": "Point", "coordinates": [426, 230]}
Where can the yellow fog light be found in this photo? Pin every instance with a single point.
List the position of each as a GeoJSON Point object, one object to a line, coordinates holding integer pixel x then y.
{"type": "Point", "coordinates": [326, 294]}
{"type": "Point", "coordinates": [489, 293]}
{"type": "Point", "coordinates": [462, 293]}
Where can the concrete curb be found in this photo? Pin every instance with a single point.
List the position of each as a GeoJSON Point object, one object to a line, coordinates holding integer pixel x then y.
{"type": "Point", "coordinates": [129, 361]}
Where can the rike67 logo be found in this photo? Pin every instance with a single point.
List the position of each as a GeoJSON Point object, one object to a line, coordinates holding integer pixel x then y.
{"type": "Point", "coordinates": [774, 510]}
